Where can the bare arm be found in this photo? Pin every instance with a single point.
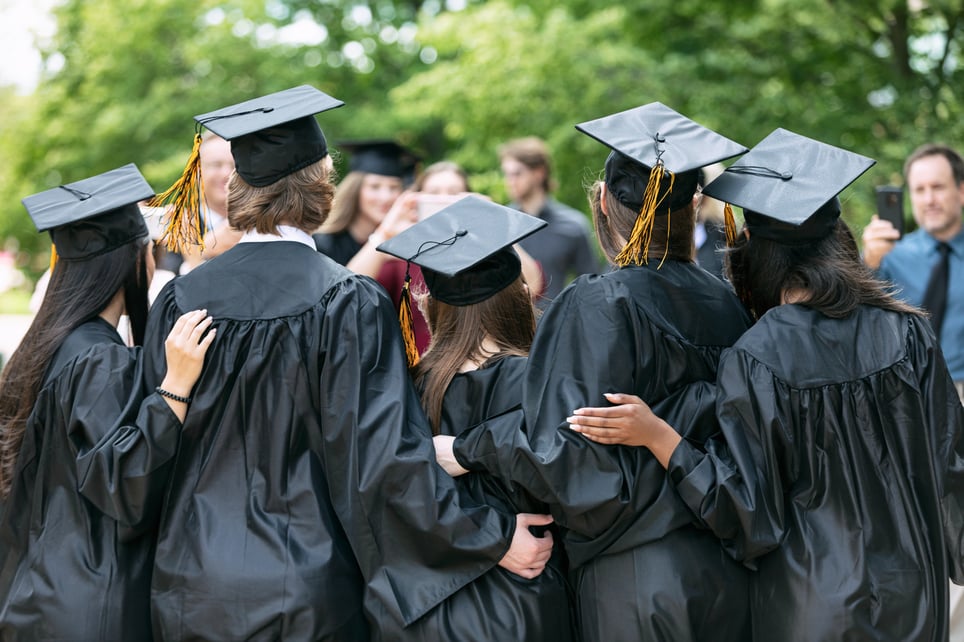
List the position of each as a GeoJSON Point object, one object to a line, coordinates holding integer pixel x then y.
{"type": "Point", "coordinates": [185, 348]}
{"type": "Point", "coordinates": [630, 422]}
{"type": "Point", "coordinates": [403, 215]}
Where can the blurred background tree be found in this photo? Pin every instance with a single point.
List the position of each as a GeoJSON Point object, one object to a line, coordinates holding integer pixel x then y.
{"type": "Point", "coordinates": [455, 79]}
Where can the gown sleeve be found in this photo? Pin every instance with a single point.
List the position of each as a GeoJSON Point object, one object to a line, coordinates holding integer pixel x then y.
{"type": "Point", "coordinates": [415, 543]}
{"type": "Point", "coordinates": [116, 466]}
{"type": "Point", "coordinates": [735, 486]}
{"type": "Point", "coordinates": [587, 344]}
{"type": "Point", "coordinates": [946, 414]}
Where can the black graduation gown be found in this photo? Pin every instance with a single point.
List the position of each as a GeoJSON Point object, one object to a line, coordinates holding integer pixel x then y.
{"type": "Point", "coordinates": [843, 480]}
{"type": "Point", "coordinates": [499, 605]}
{"type": "Point", "coordinates": [68, 571]}
{"type": "Point", "coordinates": [305, 494]}
{"type": "Point", "coordinates": [641, 570]}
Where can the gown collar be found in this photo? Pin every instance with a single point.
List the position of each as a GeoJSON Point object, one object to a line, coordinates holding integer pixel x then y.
{"type": "Point", "coordinates": [285, 233]}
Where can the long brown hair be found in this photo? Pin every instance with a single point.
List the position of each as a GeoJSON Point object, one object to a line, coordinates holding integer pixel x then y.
{"type": "Point", "coordinates": [829, 273]}
{"type": "Point", "coordinates": [78, 291]}
{"type": "Point", "coordinates": [672, 234]}
{"type": "Point", "coordinates": [302, 199]}
{"type": "Point", "coordinates": [346, 204]}
{"type": "Point", "coordinates": [506, 318]}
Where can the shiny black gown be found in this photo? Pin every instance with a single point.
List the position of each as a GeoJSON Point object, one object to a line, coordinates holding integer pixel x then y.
{"type": "Point", "coordinates": [499, 605]}
{"type": "Point", "coordinates": [641, 569]}
{"type": "Point", "coordinates": [305, 502]}
{"type": "Point", "coordinates": [68, 569]}
{"type": "Point", "coordinates": [841, 477]}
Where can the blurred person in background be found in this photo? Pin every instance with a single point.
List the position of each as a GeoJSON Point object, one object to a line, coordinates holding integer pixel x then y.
{"type": "Point", "coordinates": [565, 249]}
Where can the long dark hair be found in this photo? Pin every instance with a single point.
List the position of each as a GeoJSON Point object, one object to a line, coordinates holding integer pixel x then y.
{"type": "Point", "coordinates": [78, 291]}
{"type": "Point", "coordinates": [506, 317]}
{"type": "Point", "coordinates": [828, 273]}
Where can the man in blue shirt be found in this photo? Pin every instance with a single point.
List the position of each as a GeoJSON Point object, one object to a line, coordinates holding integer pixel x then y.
{"type": "Point", "coordinates": [935, 182]}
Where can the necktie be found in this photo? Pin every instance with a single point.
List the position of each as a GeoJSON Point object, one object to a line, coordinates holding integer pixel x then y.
{"type": "Point", "coordinates": [935, 296]}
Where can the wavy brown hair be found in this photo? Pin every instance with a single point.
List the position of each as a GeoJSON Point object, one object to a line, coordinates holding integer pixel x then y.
{"type": "Point", "coordinates": [829, 273]}
{"type": "Point", "coordinates": [78, 291]}
{"type": "Point", "coordinates": [302, 199]}
{"type": "Point", "coordinates": [672, 234]}
{"type": "Point", "coordinates": [507, 318]}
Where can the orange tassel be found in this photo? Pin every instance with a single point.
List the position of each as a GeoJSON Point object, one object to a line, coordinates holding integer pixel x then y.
{"type": "Point", "coordinates": [729, 224]}
{"type": "Point", "coordinates": [408, 324]}
{"type": "Point", "coordinates": [637, 248]}
{"type": "Point", "coordinates": [184, 198]}
{"type": "Point", "coordinates": [53, 257]}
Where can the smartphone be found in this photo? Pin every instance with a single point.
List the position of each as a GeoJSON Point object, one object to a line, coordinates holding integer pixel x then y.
{"type": "Point", "coordinates": [890, 205]}
{"type": "Point", "coordinates": [428, 204]}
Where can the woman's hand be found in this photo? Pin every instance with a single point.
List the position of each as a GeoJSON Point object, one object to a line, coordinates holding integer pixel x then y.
{"type": "Point", "coordinates": [527, 555]}
{"type": "Point", "coordinates": [402, 215]}
{"type": "Point", "coordinates": [184, 348]}
{"type": "Point", "coordinates": [445, 455]}
{"type": "Point", "coordinates": [630, 422]}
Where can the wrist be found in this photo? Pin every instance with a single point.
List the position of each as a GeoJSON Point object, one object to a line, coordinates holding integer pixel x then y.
{"type": "Point", "coordinates": [173, 396]}
{"type": "Point", "coordinates": [377, 238]}
{"type": "Point", "coordinates": [179, 388]}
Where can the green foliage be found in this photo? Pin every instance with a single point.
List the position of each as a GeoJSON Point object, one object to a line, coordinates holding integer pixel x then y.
{"type": "Point", "coordinates": [877, 77]}
{"type": "Point", "coordinates": [507, 72]}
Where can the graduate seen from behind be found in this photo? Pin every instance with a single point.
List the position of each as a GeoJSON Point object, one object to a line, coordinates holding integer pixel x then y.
{"type": "Point", "coordinates": [305, 502]}
{"type": "Point", "coordinates": [640, 568]}
{"type": "Point", "coordinates": [80, 445]}
{"type": "Point", "coordinates": [838, 472]}
{"type": "Point", "coordinates": [482, 321]}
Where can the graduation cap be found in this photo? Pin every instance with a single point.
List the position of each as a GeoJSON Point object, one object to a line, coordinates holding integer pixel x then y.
{"type": "Point", "coordinates": [382, 157]}
{"type": "Point", "coordinates": [787, 186]}
{"type": "Point", "coordinates": [271, 137]}
{"type": "Point", "coordinates": [465, 252]}
{"type": "Point", "coordinates": [92, 216]}
{"type": "Point", "coordinates": [654, 164]}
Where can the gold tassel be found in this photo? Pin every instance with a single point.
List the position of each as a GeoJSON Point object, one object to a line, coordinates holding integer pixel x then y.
{"type": "Point", "coordinates": [184, 223]}
{"type": "Point", "coordinates": [53, 257]}
{"type": "Point", "coordinates": [729, 224]}
{"type": "Point", "coordinates": [408, 324]}
{"type": "Point", "coordinates": [637, 248]}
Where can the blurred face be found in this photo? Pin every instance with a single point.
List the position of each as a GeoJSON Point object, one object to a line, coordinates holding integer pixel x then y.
{"type": "Point", "coordinates": [444, 182]}
{"type": "Point", "coordinates": [377, 195]}
{"type": "Point", "coordinates": [934, 197]}
{"type": "Point", "coordinates": [521, 182]}
{"type": "Point", "coordinates": [217, 165]}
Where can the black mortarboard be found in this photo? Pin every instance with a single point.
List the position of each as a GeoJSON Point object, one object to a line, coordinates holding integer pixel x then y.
{"type": "Point", "coordinates": [274, 135]}
{"type": "Point", "coordinates": [787, 186]}
{"type": "Point", "coordinates": [382, 157]}
{"type": "Point", "coordinates": [271, 137]}
{"type": "Point", "coordinates": [644, 137]}
{"type": "Point", "coordinates": [94, 215]}
{"type": "Point", "coordinates": [465, 252]}
{"type": "Point", "coordinates": [654, 166]}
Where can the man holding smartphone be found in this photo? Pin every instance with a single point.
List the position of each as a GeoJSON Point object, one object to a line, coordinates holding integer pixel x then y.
{"type": "Point", "coordinates": [928, 264]}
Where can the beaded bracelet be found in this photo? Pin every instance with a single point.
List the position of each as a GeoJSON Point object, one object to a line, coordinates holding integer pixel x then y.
{"type": "Point", "coordinates": [171, 395]}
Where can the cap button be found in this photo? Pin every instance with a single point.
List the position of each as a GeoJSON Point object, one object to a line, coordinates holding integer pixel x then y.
{"type": "Point", "coordinates": [786, 176]}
